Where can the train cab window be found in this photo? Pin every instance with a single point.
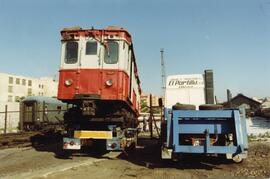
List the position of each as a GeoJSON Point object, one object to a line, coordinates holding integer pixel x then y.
{"type": "Point", "coordinates": [91, 48]}
{"type": "Point", "coordinates": [71, 55]}
{"type": "Point", "coordinates": [111, 53]}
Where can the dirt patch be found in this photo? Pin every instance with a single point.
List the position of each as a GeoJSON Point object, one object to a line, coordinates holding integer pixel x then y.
{"type": "Point", "coordinates": [258, 162]}
{"type": "Point", "coordinates": [43, 161]}
{"type": "Point", "coordinates": [145, 163]}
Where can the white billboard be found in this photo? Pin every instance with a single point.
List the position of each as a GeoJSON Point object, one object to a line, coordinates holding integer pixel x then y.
{"type": "Point", "coordinates": [185, 89]}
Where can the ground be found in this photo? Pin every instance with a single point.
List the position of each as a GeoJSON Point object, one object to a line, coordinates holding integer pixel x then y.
{"type": "Point", "coordinates": [44, 161]}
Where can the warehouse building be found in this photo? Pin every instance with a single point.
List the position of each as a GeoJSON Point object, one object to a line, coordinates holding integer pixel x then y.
{"type": "Point", "coordinates": [241, 101]}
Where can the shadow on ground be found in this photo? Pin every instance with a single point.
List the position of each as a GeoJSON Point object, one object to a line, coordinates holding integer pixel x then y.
{"type": "Point", "coordinates": [52, 142]}
{"type": "Point", "coordinates": [147, 154]}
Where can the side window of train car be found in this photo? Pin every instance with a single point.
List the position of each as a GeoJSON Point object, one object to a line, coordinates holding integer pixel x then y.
{"type": "Point", "coordinates": [71, 54]}
{"type": "Point", "coordinates": [59, 108]}
{"type": "Point", "coordinates": [46, 109]}
{"type": "Point", "coordinates": [111, 53]}
{"type": "Point", "coordinates": [91, 48]}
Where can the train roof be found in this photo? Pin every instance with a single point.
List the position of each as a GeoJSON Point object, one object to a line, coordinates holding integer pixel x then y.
{"type": "Point", "coordinates": [42, 99]}
{"type": "Point", "coordinates": [110, 32]}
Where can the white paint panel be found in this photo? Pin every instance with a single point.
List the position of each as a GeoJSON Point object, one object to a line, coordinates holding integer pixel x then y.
{"type": "Point", "coordinates": [185, 89]}
{"type": "Point", "coordinates": [91, 61]}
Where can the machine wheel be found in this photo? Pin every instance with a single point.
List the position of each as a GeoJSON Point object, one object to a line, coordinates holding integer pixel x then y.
{"type": "Point", "coordinates": [179, 106]}
{"type": "Point", "coordinates": [237, 158]}
{"type": "Point", "coordinates": [210, 107]}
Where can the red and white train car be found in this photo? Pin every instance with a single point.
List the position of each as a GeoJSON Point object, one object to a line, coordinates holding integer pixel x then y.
{"type": "Point", "coordinates": [98, 74]}
{"type": "Point", "coordinates": [98, 65]}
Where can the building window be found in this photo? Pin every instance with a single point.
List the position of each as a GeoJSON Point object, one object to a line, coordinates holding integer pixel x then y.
{"type": "Point", "coordinates": [71, 55]}
{"type": "Point", "coordinates": [29, 92]}
{"type": "Point", "coordinates": [111, 53]}
{"type": "Point", "coordinates": [10, 89]}
{"type": "Point", "coordinates": [23, 82]}
{"type": "Point", "coordinates": [9, 98]}
{"type": "Point", "coordinates": [17, 81]}
{"type": "Point", "coordinates": [29, 82]}
{"type": "Point", "coordinates": [91, 48]}
{"type": "Point", "coordinates": [17, 99]}
{"type": "Point", "coordinates": [10, 80]}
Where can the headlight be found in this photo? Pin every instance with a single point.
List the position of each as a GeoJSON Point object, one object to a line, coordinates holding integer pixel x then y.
{"type": "Point", "coordinates": [109, 83]}
{"type": "Point", "coordinates": [68, 82]}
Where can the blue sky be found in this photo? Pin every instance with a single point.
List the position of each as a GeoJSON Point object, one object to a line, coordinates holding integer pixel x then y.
{"type": "Point", "coordinates": [232, 37]}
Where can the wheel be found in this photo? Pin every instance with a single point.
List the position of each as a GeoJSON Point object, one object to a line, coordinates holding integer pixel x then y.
{"type": "Point", "coordinates": [210, 107]}
{"type": "Point", "coordinates": [237, 158]}
{"type": "Point", "coordinates": [176, 157]}
{"type": "Point", "coordinates": [179, 106]}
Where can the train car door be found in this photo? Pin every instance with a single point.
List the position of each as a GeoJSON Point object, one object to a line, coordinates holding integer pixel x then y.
{"type": "Point", "coordinates": [90, 54]}
{"type": "Point", "coordinates": [90, 64]}
{"type": "Point", "coordinates": [29, 112]}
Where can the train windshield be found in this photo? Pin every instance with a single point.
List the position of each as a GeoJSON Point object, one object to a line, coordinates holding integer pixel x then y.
{"type": "Point", "coordinates": [111, 53]}
{"type": "Point", "coordinates": [71, 54]}
{"type": "Point", "coordinates": [91, 48]}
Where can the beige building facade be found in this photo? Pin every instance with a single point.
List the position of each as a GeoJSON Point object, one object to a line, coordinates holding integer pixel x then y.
{"type": "Point", "coordinates": [13, 88]}
{"type": "Point", "coordinates": [145, 97]}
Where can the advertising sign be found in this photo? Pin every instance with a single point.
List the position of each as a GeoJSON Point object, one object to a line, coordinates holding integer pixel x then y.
{"type": "Point", "coordinates": [185, 81]}
{"type": "Point", "coordinates": [185, 89]}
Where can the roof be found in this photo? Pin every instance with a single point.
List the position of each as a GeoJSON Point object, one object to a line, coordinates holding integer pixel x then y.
{"type": "Point", "coordinates": [266, 104]}
{"type": "Point", "coordinates": [242, 96]}
{"type": "Point", "coordinates": [99, 34]}
{"type": "Point", "coordinates": [42, 99]}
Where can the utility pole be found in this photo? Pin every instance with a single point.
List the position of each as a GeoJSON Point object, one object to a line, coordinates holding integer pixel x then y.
{"type": "Point", "coordinates": [163, 74]}
{"type": "Point", "coordinates": [6, 113]}
{"type": "Point", "coordinates": [151, 117]}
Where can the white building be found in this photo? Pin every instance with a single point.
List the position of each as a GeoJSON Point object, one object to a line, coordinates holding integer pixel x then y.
{"type": "Point", "coordinates": [14, 87]}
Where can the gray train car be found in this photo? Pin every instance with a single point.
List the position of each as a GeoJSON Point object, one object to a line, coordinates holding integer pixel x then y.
{"type": "Point", "coordinates": [42, 113]}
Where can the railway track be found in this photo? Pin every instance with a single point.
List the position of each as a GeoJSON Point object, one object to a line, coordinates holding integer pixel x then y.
{"type": "Point", "coordinates": [22, 139]}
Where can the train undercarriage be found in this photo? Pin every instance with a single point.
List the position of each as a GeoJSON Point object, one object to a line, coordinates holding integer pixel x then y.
{"type": "Point", "coordinates": [112, 122]}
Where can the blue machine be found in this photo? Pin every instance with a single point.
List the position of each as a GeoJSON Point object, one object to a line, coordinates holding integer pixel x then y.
{"type": "Point", "coordinates": [205, 131]}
